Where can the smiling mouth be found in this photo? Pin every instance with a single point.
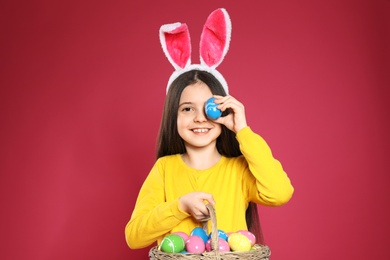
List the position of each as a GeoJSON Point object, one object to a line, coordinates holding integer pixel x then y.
{"type": "Point", "coordinates": [200, 130]}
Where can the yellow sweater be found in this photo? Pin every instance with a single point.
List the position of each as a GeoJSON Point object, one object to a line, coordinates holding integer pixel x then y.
{"type": "Point", "coordinates": [234, 182]}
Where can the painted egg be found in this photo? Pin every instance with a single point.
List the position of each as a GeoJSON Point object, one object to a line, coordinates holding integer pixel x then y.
{"type": "Point", "coordinates": [239, 242]}
{"type": "Point", "coordinates": [182, 234]}
{"type": "Point", "coordinates": [172, 244]}
{"type": "Point", "coordinates": [200, 233]}
{"type": "Point", "coordinates": [221, 234]}
{"type": "Point", "coordinates": [195, 245]}
{"type": "Point", "coordinates": [229, 233]}
{"type": "Point", "coordinates": [249, 235]}
{"type": "Point", "coordinates": [223, 245]}
{"type": "Point", "coordinates": [211, 109]}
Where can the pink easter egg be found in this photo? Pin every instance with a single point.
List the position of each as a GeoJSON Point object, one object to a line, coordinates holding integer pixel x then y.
{"type": "Point", "coordinates": [249, 235]}
{"type": "Point", "coordinates": [195, 245]}
{"type": "Point", "coordinates": [182, 234]}
{"type": "Point", "coordinates": [223, 245]}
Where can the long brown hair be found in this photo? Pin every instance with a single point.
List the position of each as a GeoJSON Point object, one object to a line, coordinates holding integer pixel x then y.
{"type": "Point", "coordinates": [170, 142]}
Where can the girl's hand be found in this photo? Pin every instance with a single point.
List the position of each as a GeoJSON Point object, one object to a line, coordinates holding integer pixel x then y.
{"type": "Point", "coordinates": [236, 119]}
{"type": "Point", "coordinates": [193, 203]}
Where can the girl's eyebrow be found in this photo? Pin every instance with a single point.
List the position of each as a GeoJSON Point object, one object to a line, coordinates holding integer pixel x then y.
{"type": "Point", "coordinates": [185, 103]}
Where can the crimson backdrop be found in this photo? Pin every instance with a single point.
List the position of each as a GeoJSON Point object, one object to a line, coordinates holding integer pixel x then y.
{"type": "Point", "coordinates": [82, 89]}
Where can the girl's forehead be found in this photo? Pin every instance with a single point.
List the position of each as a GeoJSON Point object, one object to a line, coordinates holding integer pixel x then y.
{"type": "Point", "coordinates": [193, 91]}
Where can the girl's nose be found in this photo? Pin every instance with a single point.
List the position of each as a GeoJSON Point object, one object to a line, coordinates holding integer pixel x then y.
{"type": "Point", "coordinates": [200, 116]}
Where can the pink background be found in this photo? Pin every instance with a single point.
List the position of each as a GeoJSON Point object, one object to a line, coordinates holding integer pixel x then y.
{"type": "Point", "coordinates": [82, 89]}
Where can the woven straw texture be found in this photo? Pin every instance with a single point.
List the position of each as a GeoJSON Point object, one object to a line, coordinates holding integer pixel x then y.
{"type": "Point", "coordinates": [260, 252]}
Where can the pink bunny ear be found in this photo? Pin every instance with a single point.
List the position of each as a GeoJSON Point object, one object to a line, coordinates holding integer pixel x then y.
{"type": "Point", "coordinates": [215, 38]}
{"type": "Point", "coordinates": [176, 43]}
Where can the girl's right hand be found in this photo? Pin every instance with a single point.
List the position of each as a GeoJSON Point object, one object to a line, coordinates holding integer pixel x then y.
{"type": "Point", "coordinates": [236, 119]}
{"type": "Point", "coordinates": [194, 204]}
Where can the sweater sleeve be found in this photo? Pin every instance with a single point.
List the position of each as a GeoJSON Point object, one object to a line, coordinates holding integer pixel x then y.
{"type": "Point", "coordinates": [273, 187]}
{"type": "Point", "coordinates": [152, 217]}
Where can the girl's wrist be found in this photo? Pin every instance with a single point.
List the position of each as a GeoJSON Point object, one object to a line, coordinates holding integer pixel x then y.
{"type": "Point", "coordinates": [238, 129]}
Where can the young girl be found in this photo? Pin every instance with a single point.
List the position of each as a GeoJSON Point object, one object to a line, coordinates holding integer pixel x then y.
{"type": "Point", "coordinates": [199, 160]}
{"type": "Point", "coordinates": [222, 162]}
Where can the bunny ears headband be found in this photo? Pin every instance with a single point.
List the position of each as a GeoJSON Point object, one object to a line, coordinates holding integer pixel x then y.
{"type": "Point", "coordinates": [214, 44]}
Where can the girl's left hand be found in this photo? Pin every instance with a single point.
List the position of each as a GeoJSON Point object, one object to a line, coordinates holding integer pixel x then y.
{"type": "Point", "coordinates": [235, 120]}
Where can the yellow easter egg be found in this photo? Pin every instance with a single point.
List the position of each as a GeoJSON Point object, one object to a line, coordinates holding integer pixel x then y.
{"type": "Point", "coordinates": [239, 242]}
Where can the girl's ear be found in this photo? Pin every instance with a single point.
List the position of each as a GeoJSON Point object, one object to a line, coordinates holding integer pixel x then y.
{"type": "Point", "coordinates": [176, 43]}
{"type": "Point", "coordinates": [215, 38]}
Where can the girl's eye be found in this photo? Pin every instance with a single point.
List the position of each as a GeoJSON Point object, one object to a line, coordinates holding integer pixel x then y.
{"type": "Point", "coordinates": [186, 109]}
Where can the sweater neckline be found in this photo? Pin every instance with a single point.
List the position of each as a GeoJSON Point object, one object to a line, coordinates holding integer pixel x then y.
{"type": "Point", "coordinates": [216, 165]}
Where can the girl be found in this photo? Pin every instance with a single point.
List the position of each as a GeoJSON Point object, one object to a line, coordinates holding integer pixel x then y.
{"type": "Point", "coordinates": [222, 162]}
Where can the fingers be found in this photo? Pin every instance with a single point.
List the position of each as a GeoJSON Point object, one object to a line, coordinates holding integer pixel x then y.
{"type": "Point", "coordinates": [225, 102]}
{"type": "Point", "coordinates": [194, 203]}
{"type": "Point", "coordinates": [236, 119]}
{"type": "Point", "coordinates": [201, 218]}
{"type": "Point", "coordinates": [208, 197]}
{"type": "Point", "coordinates": [201, 214]}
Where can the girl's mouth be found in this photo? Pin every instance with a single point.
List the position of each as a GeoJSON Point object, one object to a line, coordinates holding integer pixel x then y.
{"type": "Point", "coordinates": [200, 130]}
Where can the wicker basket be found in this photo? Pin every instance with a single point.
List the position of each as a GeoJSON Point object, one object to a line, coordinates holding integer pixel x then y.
{"type": "Point", "coordinates": [259, 252]}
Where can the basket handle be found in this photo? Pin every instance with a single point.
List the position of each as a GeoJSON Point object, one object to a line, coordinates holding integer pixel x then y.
{"type": "Point", "coordinates": [214, 229]}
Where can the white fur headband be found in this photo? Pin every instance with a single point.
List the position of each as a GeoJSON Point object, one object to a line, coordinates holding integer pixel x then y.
{"type": "Point", "coordinates": [214, 44]}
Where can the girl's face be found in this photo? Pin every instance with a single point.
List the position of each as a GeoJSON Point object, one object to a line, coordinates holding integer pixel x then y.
{"type": "Point", "coordinates": [193, 126]}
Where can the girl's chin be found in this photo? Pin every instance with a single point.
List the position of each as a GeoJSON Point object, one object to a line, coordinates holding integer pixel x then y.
{"type": "Point", "coordinates": [200, 145]}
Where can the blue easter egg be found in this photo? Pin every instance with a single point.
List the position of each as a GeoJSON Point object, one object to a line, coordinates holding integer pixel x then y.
{"type": "Point", "coordinates": [221, 234]}
{"type": "Point", "coordinates": [200, 233]}
{"type": "Point", "coordinates": [211, 109]}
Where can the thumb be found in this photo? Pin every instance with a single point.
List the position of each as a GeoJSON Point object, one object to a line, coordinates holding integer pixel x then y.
{"type": "Point", "coordinates": [209, 198]}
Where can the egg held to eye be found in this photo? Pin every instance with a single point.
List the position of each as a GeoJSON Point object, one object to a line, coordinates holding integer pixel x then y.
{"type": "Point", "coordinates": [211, 109]}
